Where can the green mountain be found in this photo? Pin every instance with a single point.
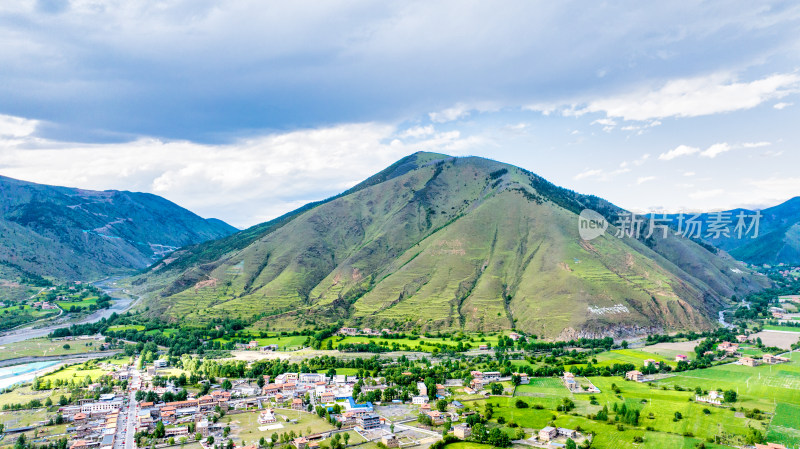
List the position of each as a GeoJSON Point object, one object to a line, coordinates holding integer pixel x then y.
{"type": "Point", "coordinates": [437, 242]}
{"type": "Point", "coordinates": [69, 233]}
{"type": "Point", "coordinates": [777, 239]}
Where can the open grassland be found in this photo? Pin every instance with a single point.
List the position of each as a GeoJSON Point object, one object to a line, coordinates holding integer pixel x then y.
{"type": "Point", "coordinates": [24, 394]}
{"type": "Point", "coordinates": [759, 387]}
{"type": "Point", "coordinates": [287, 343]}
{"type": "Point", "coordinates": [245, 426]}
{"type": "Point", "coordinates": [42, 435]}
{"type": "Point", "coordinates": [772, 327]}
{"type": "Point", "coordinates": [785, 427]}
{"type": "Point", "coordinates": [82, 304]}
{"type": "Point", "coordinates": [120, 360]}
{"type": "Point", "coordinates": [634, 356]}
{"type": "Point", "coordinates": [124, 327]}
{"type": "Point", "coordinates": [670, 350]}
{"type": "Point", "coordinates": [76, 373]}
{"type": "Point", "coordinates": [45, 347]}
{"type": "Point", "coordinates": [22, 418]}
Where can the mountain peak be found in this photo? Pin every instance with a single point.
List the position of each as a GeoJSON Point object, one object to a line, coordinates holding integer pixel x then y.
{"type": "Point", "coordinates": [439, 242]}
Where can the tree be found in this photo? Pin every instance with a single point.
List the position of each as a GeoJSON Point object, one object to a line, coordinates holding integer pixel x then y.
{"type": "Point", "coordinates": [520, 404]}
{"type": "Point", "coordinates": [226, 385]}
{"type": "Point", "coordinates": [346, 436]}
{"type": "Point", "coordinates": [729, 396]}
{"type": "Point", "coordinates": [210, 440]}
{"type": "Point", "coordinates": [66, 346]}
{"type": "Point", "coordinates": [498, 438]}
{"type": "Point", "coordinates": [441, 405]}
{"type": "Point", "coordinates": [571, 444]}
{"type": "Point", "coordinates": [496, 388]}
{"type": "Point", "coordinates": [160, 431]}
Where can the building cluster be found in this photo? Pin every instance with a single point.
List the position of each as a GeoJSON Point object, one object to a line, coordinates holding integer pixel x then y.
{"type": "Point", "coordinates": [253, 345]}
{"type": "Point", "coordinates": [728, 347]}
{"type": "Point", "coordinates": [352, 332]}
{"type": "Point", "coordinates": [769, 359]}
{"type": "Point", "coordinates": [481, 379]}
{"type": "Point", "coordinates": [93, 424]}
{"type": "Point", "coordinates": [713, 398]}
{"type": "Point", "coordinates": [44, 305]}
{"type": "Point", "coordinates": [550, 433]}
{"type": "Point", "coordinates": [635, 376]}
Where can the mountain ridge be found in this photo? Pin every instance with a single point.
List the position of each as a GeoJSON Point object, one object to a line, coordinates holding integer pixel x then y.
{"type": "Point", "coordinates": [440, 242]}
{"type": "Point", "coordinates": [77, 234]}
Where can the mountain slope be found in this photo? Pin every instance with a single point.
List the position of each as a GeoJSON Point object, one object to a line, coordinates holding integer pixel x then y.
{"type": "Point", "coordinates": [70, 233]}
{"type": "Point", "coordinates": [440, 242]}
{"type": "Point", "coordinates": [777, 239]}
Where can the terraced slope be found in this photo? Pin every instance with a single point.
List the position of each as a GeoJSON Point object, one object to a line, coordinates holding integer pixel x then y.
{"type": "Point", "coordinates": [440, 242]}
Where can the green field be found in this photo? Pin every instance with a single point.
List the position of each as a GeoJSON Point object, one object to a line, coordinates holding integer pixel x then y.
{"type": "Point", "coordinates": [124, 327]}
{"type": "Point", "coordinates": [245, 426]}
{"type": "Point", "coordinates": [14, 315]}
{"type": "Point", "coordinates": [773, 388]}
{"type": "Point", "coordinates": [287, 343]}
{"type": "Point", "coordinates": [76, 373]}
{"type": "Point", "coordinates": [772, 327]}
{"type": "Point", "coordinates": [82, 304]}
{"type": "Point", "coordinates": [24, 394]}
{"type": "Point", "coordinates": [634, 356]}
{"type": "Point", "coordinates": [45, 347]}
{"type": "Point", "coordinates": [759, 387]}
{"type": "Point", "coordinates": [785, 427]}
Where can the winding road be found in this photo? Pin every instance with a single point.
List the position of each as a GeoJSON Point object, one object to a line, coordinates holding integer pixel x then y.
{"type": "Point", "coordinates": [121, 304]}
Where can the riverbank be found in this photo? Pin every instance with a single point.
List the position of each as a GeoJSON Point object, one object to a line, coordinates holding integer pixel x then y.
{"type": "Point", "coordinates": [122, 302]}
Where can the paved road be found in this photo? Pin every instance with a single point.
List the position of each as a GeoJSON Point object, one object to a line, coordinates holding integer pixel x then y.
{"type": "Point", "coordinates": [126, 424]}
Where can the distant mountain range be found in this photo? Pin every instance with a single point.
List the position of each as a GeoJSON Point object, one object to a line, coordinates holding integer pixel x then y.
{"type": "Point", "coordinates": [437, 242]}
{"type": "Point", "coordinates": [74, 234]}
{"type": "Point", "coordinates": [776, 238]}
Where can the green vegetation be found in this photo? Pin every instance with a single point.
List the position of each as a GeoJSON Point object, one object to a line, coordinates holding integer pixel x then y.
{"type": "Point", "coordinates": [445, 243]}
{"type": "Point", "coordinates": [45, 347]}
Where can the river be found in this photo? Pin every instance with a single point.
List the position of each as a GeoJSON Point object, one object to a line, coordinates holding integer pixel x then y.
{"type": "Point", "coordinates": [120, 304]}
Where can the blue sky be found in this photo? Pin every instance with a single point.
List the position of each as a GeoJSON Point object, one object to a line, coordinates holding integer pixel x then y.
{"type": "Point", "coordinates": [244, 110]}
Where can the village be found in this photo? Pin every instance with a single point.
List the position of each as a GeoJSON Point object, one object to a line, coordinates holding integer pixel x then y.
{"type": "Point", "coordinates": [160, 401]}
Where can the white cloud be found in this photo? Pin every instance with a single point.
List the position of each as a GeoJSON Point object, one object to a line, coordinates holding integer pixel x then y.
{"type": "Point", "coordinates": [715, 150]}
{"type": "Point", "coordinates": [417, 131]}
{"type": "Point", "coordinates": [600, 174]}
{"type": "Point", "coordinates": [244, 182]}
{"type": "Point", "coordinates": [588, 173]}
{"type": "Point", "coordinates": [688, 173]}
{"type": "Point", "coordinates": [692, 97]}
{"type": "Point", "coordinates": [605, 122]}
{"type": "Point", "coordinates": [644, 179]}
{"type": "Point", "coordinates": [782, 105]}
{"type": "Point", "coordinates": [16, 126]}
{"type": "Point", "coordinates": [756, 144]}
{"type": "Point", "coordinates": [681, 150]}
{"type": "Point", "coordinates": [450, 114]}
